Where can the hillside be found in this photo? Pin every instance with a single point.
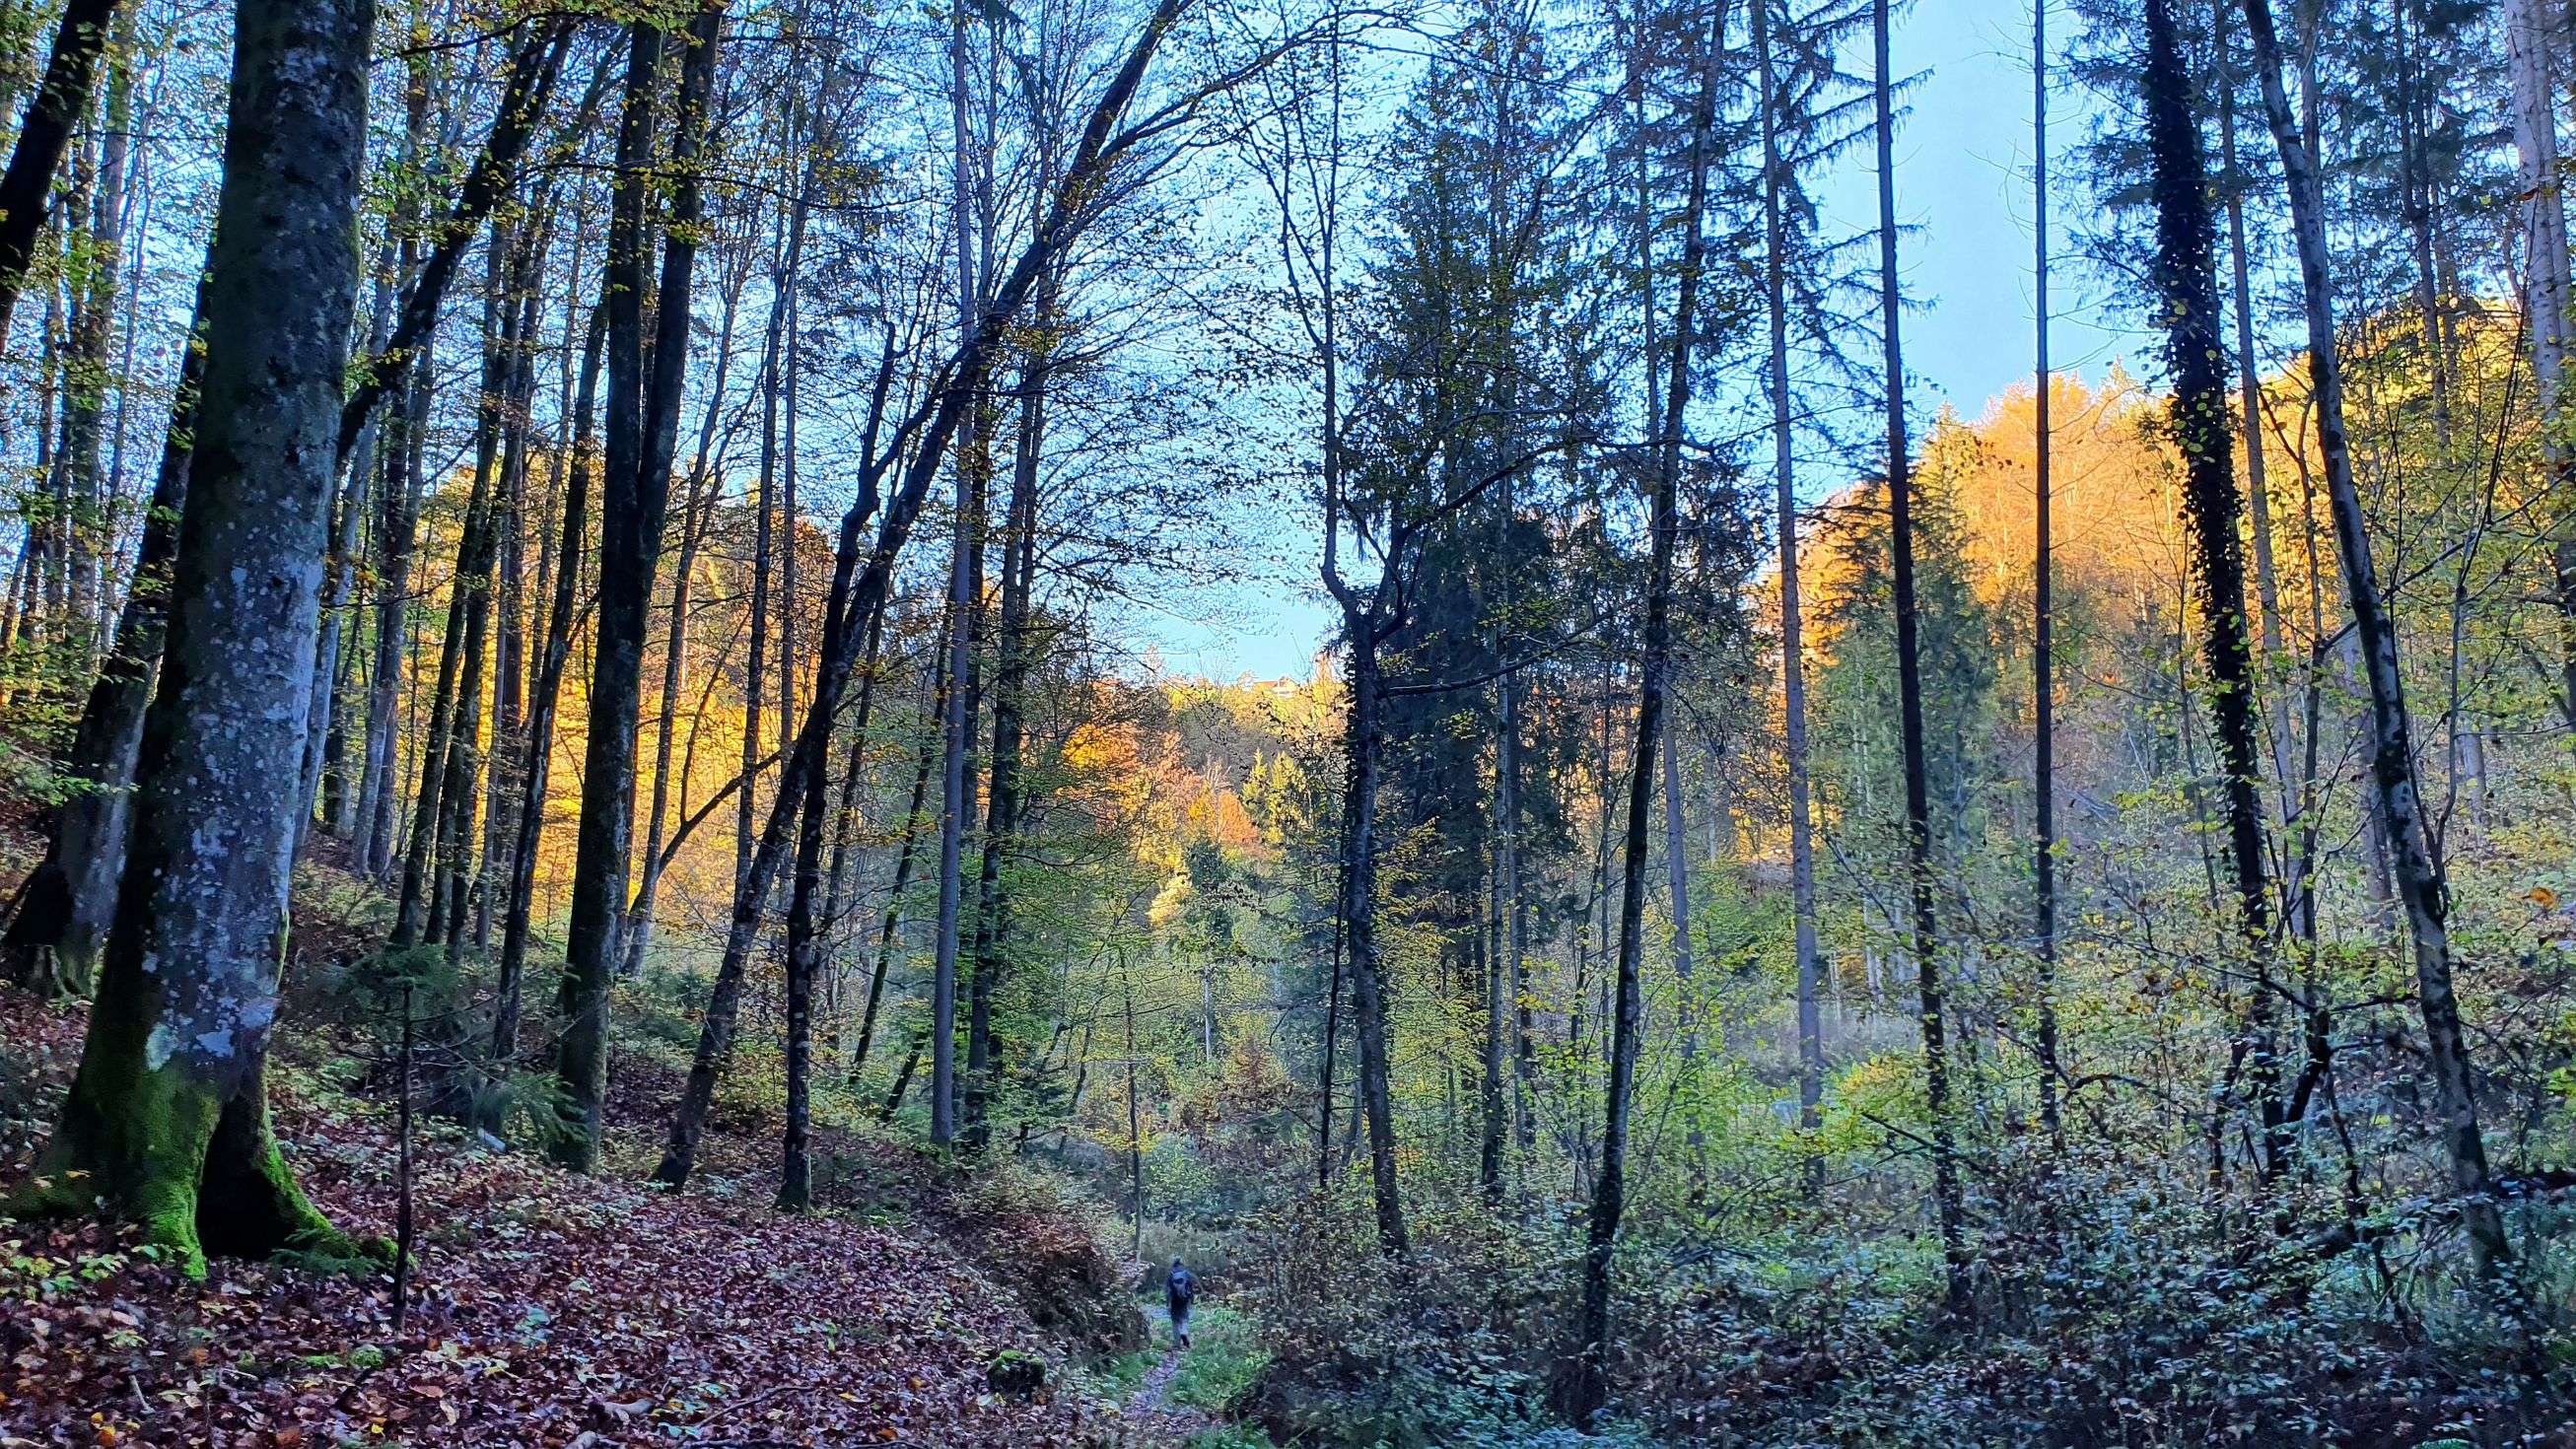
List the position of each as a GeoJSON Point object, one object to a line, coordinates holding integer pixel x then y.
{"type": "Point", "coordinates": [551, 1310]}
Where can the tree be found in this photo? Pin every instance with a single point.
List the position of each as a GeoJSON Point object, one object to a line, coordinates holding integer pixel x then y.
{"type": "Point", "coordinates": [863, 576]}
{"type": "Point", "coordinates": [2203, 432]}
{"type": "Point", "coordinates": [2043, 691]}
{"type": "Point", "coordinates": [635, 491]}
{"type": "Point", "coordinates": [2548, 294]}
{"type": "Point", "coordinates": [167, 1121]}
{"type": "Point", "coordinates": [1609, 1197]}
{"type": "Point", "coordinates": [1909, 677]}
{"type": "Point", "coordinates": [61, 100]}
{"type": "Point", "coordinates": [2419, 872]}
{"type": "Point", "coordinates": [1793, 663]}
{"type": "Point", "coordinates": [60, 918]}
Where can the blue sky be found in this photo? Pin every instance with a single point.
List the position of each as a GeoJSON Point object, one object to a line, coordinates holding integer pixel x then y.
{"type": "Point", "coordinates": [1963, 185]}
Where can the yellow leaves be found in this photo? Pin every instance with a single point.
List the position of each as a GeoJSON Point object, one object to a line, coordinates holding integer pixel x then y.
{"type": "Point", "coordinates": [1103, 749]}
{"type": "Point", "coordinates": [1170, 902]}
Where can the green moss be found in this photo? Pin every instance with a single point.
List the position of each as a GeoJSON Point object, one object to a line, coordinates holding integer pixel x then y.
{"type": "Point", "coordinates": [157, 1147]}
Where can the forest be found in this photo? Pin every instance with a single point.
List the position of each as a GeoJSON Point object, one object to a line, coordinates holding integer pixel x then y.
{"type": "Point", "coordinates": [601, 845]}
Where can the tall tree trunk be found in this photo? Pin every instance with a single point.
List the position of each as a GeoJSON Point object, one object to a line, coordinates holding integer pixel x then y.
{"type": "Point", "coordinates": [1610, 1188]}
{"type": "Point", "coordinates": [1793, 662]}
{"type": "Point", "coordinates": [1362, 631]}
{"type": "Point", "coordinates": [92, 278]}
{"type": "Point", "coordinates": [340, 792]}
{"type": "Point", "coordinates": [61, 916]}
{"type": "Point", "coordinates": [477, 561]}
{"type": "Point", "coordinates": [2203, 430]}
{"type": "Point", "coordinates": [398, 487]}
{"type": "Point", "coordinates": [1507, 773]}
{"type": "Point", "coordinates": [1010, 679]}
{"type": "Point", "coordinates": [1947, 1199]}
{"type": "Point", "coordinates": [2043, 659]}
{"type": "Point", "coordinates": [1359, 902]}
{"type": "Point", "coordinates": [2419, 874]}
{"type": "Point", "coordinates": [963, 607]}
{"type": "Point", "coordinates": [635, 495]}
{"type": "Point", "coordinates": [167, 1119]}
{"type": "Point", "coordinates": [2258, 496]}
{"type": "Point", "coordinates": [59, 106]}
{"type": "Point", "coordinates": [902, 874]}
{"type": "Point", "coordinates": [804, 953]}
{"type": "Point", "coordinates": [763, 509]}
{"type": "Point", "coordinates": [1677, 880]}
{"type": "Point", "coordinates": [397, 528]}
{"type": "Point", "coordinates": [699, 505]}
{"type": "Point", "coordinates": [509, 986]}
{"type": "Point", "coordinates": [509, 647]}
{"type": "Point", "coordinates": [422, 913]}
{"type": "Point", "coordinates": [2547, 291]}
{"type": "Point", "coordinates": [697, 513]}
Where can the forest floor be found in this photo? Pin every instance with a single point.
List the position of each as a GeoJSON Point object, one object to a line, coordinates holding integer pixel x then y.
{"type": "Point", "coordinates": [1157, 1421]}
{"type": "Point", "coordinates": [547, 1310]}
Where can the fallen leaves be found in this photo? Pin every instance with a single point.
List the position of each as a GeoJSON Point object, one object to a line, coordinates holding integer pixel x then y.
{"type": "Point", "coordinates": [550, 1312]}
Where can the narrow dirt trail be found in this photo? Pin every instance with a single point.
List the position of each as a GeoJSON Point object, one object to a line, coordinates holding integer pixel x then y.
{"type": "Point", "coordinates": [1152, 1420]}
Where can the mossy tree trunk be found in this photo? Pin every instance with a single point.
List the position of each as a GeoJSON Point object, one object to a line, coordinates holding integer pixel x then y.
{"type": "Point", "coordinates": [167, 1121]}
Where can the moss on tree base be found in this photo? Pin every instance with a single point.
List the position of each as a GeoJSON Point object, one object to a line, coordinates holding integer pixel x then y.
{"type": "Point", "coordinates": [197, 1177]}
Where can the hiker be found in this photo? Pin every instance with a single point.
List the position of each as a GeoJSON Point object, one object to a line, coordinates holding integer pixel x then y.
{"type": "Point", "coordinates": [1177, 1293]}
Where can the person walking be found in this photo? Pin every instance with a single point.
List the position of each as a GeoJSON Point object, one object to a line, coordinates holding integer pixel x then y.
{"type": "Point", "coordinates": [1178, 1291]}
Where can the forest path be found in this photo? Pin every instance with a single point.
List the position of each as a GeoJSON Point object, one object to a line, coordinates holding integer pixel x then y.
{"type": "Point", "coordinates": [1153, 1422]}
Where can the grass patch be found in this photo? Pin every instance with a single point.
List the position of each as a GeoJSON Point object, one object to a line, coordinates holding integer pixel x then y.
{"type": "Point", "coordinates": [1224, 1361]}
{"type": "Point", "coordinates": [1117, 1376]}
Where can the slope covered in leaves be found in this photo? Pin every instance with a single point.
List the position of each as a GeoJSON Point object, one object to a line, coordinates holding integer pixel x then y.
{"type": "Point", "coordinates": [547, 1310]}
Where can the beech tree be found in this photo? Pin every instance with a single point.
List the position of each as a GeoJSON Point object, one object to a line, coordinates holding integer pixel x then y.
{"type": "Point", "coordinates": [167, 1122]}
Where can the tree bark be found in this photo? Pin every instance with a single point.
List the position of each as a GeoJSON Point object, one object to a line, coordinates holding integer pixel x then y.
{"type": "Point", "coordinates": [477, 563]}
{"type": "Point", "coordinates": [635, 495]}
{"type": "Point", "coordinates": [964, 606]}
{"type": "Point", "coordinates": [2547, 291]}
{"type": "Point", "coordinates": [2419, 873]}
{"type": "Point", "coordinates": [1793, 662]}
{"type": "Point", "coordinates": [57, 109]}
{"type": "Point", "coordinates": [1359, 902]}
{"type": "Point", "coordinates": [62, 913]}
{"type": "Point", "coordinates": [90, 276]}
{"type": "Point", "coordinates": [1929, 991]}
{"type": "Point", "coordinates": [1610, 1187]}
{"type": "Point", "coordinates": [509, 986]}
{"type": "Point", "coordinates": [168, 1115]}
{"type": "Point", "coordinates": [2043, 692]}
{"type": "Point", "coordinates": [1010, 680]}
{"type": "Point", "coordinates": [2203, 430]}
{"type": "Point", "coordinates": [804, 952]}
{"type": "Point", "coordinates": [902, 878]}
{"type": "Point", "coordinates": [2258, 493]}
{"type": "Point", "coordinates": [424, 911]}
{"type": "Point", "coordinates": [697, 509]}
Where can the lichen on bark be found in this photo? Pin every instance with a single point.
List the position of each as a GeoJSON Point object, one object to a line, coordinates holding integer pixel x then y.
{"type": "Point", "coordinates": [167, 1123]}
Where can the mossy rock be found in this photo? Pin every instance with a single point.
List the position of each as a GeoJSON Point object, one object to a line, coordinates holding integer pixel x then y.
{"type": "Point", "coordinates": [1016, 1375]}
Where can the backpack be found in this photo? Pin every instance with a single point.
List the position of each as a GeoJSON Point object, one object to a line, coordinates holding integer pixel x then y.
{"type": "Point", "coordinates": [1183, 1287]}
